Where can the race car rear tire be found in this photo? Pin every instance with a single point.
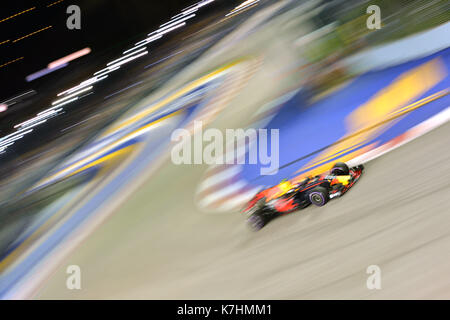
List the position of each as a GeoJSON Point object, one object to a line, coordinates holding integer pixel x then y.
{"type": "Point", "coordinates": [340, 169]}
{"type": "Point", "coordinates": [257, 221]}
{"type": "Point", "coordinates": [319, 196]}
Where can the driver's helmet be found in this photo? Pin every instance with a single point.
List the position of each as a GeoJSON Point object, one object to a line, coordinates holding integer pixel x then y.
{"type": "Point", "coordinates": [285, 185]}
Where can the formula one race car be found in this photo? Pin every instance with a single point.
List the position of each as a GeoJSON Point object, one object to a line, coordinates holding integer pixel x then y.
{"type": "Point", "coordinates": [287, 197]}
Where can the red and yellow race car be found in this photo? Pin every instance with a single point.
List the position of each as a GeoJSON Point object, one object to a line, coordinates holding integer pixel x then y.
{"type": "Point", "coordinates": [287, 196]}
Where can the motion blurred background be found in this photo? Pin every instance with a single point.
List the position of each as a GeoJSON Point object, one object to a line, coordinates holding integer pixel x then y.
{"type": "Point", "coordinates": [78, 161]}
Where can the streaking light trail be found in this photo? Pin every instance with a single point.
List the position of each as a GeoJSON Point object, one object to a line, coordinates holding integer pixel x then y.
{"type": "Point", "coordinates": [242, 6]}
{"type": "Point", "coordinates": [44, 72]}
{"type": "Point", "coordinates": [69, 58]}
{"type": "Point", "coordinates": [105, 71]}
{"type": "Point", "coordinates": [59, 105]}
{"type": "Point", "coordinates": [83, 84]}
{"type": "Point", "coordinates": [173, 21]}
{"type": "Point", "coordinates": [129, 59]}
{"type": "Point", "coordinates": [72, 95]}
{"type": "Point", "coordinates": [172, 24]}
{"type": "Point", "coordinates": [173, 28]}
{"type": "Point", "coordinates": [130, 50]}
{"type": "Point", "coordinates": [148, 40]}
{"type": "Point", "coordinates": [125, 56]}
{"type": "Point", "coordinates": [19, 97]}
{"type": "Point", "coordinates": [49, 114]}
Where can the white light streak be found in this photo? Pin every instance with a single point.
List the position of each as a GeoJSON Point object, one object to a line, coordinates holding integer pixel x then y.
{"type": "Point", "coordinates": [13, 134]}
{"type": "Point", "coordinates": [84, 84]}
{"type": "Point", "coordinates": [147, 41]}
{"type": "Point", "coordinates": [132, 49]}
{"type": "Point", "coordinates": [125, 56]}
{"type": "Point", "coordinates": [50, 113]}
{"type": "Point", "coordinates": [173, 28]}
{"type": "Point", "coordinates": [242, 6]}
{"type": "Point", "coordinates": [172, 24]}
{"type": "Point", "coordinates": [129, 59]}
{"type": "Point", "coordinates": [71, 95]}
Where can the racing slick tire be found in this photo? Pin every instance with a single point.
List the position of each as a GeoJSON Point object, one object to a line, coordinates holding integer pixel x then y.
{"type": "Point", "coordinates": [319, 196]}
{"type": "Point", "coordinates": [258, 220]}
{"type": "Point", "coordinates": [340, 169]}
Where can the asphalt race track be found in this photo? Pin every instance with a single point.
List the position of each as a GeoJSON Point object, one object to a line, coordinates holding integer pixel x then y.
{"type": "Point", "coordinates": [158, 245]}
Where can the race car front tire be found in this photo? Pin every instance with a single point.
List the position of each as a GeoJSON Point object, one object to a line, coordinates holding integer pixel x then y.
{"type": "Point", "coordinates": [319, 196]}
